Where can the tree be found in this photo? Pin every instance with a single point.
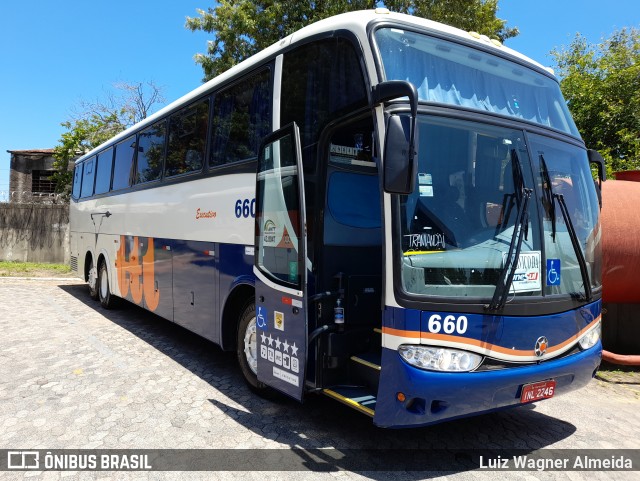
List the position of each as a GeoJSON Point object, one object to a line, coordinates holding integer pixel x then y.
{"type": "Point", "coordinates": [93, 123]}
{"type": "Point", "coordinates": [602, 86]}
{"type": "Point", "coordinates": [243, 28]}
{"type": "Point", "coordinates": [470, 15]}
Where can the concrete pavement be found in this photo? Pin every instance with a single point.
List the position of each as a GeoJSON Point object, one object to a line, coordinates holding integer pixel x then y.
{"type": "Point", "coordinates": [73, 375]}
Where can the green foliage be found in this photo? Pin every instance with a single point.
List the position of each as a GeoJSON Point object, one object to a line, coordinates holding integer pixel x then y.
{"type": "Point", "coordinates": [98, 121]}
{"type": "Point", "coordinates": [471, 15]}
{"type": "Point", "coordinates": [81, 136]}
{"type": "Point", "coordinates": [602, 86]}
{"type": "Point", "coordinates": [245, 27]}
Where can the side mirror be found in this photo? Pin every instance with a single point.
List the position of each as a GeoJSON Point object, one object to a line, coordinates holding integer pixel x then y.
{"type": "Point", "coordinates": [596, 158]}
{"type": "Point", "coordinates": [401, 137]}
{"type": "Point", "coordinates": [399, 163]}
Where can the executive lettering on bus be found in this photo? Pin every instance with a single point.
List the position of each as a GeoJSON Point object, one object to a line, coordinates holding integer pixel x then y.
{"type": "Point", "coordinates": [381, 209]}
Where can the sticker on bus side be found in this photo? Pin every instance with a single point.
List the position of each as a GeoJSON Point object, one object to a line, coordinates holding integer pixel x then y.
{"type": "Point", "coordinates": [261, 317]}
{"type": "Point", "coordinates": [135, 270]}
{"type": "Point", "coordinates": [269, 234]}
{"type": "Point", "coordinates": [283, 354]}
{"type": "Point", "coordinates": [278, 320]}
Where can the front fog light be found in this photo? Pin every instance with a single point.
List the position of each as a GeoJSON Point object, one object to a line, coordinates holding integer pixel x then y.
{"type": "Point", "coordinates": [591, 338]}
{"type": "Point", "coordinates": [439, 359]}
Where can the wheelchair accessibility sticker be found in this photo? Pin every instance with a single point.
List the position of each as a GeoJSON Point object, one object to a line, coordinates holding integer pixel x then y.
{"type": "Point", "coordinates": [553, 272]}
{"type": "Point", "coordinates": [261, 318]}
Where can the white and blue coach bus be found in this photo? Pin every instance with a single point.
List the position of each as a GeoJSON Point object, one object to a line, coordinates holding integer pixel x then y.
{"type": "Point", "coordinates": [395, 213]}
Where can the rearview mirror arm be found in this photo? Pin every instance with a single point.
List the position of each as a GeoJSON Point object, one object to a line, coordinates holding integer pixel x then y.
{"type": "Point", "coordinates": [395, 89]}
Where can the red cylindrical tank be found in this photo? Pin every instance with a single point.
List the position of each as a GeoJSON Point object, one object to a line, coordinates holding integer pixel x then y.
{"type": "Point", "coordinates": [633, 175]}
{"type": "Point", "coordinates": [621, 241]}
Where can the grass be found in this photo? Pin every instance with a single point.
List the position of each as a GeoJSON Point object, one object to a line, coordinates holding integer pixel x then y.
{"type": "Point", "coordinates": [623, 380]}
{"type": "Point", "coordinates": [619, 374]}
{"type": "Point", "coordinates": [33, 269]}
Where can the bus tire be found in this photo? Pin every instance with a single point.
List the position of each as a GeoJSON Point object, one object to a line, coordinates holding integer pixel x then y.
{"type": "Point", "coordinates": [92, 279]}
{"type": "Point", "coordinates": [107, 300]}
{"type": "Point", "coordinates": [247, 350]}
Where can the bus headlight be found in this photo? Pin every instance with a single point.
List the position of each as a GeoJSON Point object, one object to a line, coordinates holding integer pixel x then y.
{"type": "Point", "coordinates": [439, 358]}
{"type": "Point", "coordinates": [591, 338]}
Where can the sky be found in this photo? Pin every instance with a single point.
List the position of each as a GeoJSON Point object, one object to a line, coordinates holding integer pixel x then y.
{"type": "Point", "coordinates": [54, 54]}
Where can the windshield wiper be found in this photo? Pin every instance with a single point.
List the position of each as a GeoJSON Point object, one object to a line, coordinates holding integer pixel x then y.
{"type": "Point", "coordinates": [516, 197]}
{"type": "Point", "coordinates": [576, 246]}
{"type": "Point", "coordinates": [550, 198]}
{"type": "Point", "coordinates": [520, 229]}
{"type": "Point", "coordinates": [547, 196]}
{"type": "Point", "coordinates": [504, 283]}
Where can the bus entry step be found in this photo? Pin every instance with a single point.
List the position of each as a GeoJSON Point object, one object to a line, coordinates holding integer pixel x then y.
{"type": "Point", "coordinates": [358, 398]}
{"type": "Point", "coordinates": [364, 370]}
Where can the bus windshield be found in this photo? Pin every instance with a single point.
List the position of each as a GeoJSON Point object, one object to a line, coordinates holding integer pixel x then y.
{"type": "Point", "coordinates": [460, 222]}
{"type": "Point", "coordinates": [453, 74]}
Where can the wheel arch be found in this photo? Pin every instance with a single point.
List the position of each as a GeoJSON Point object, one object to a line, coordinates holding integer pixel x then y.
{"type": "Point", "coordinates": [88, 257]}
{"type": "Point", "coordinates": [103, 256]}
{"type": "Point", "coordinates": [242, 291]}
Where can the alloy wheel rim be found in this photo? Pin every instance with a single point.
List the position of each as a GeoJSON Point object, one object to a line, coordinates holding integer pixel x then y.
{"type": "Point", "coordinates": [250, 345]}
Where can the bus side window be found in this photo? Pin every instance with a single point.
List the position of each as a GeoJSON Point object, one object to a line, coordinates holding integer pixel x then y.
{"type": "Point", "coordinates": [103, 174]}
{"type": "Point", "coordinates": [150, 152]}
{"type": "Point", "coordinates": [77, 181]}
{"type": "Point", "coordinates": [322, 81]}
{"type": "Point", "coordinates": [88, 178]}
{"type": "Point", "coordinates": [187, 139]}
{"type": "Point", "coordinates": [241, 119]}
{"type": "Point", "coordinates": [123, 163]}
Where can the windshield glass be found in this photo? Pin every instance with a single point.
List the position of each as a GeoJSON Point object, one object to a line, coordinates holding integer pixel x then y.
{"type": "Point", "coordinates": [460, 221]}
{"type": "Point", "coordinates": [567, 170]}
{"type": "Point", "coordinates": [458, 224]}
{"type": "Point", "coordinates": [453, 74]}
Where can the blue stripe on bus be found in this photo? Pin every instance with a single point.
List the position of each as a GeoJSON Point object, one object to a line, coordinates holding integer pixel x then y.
{"type": "Point", "coordinates": [432, 397]}
{"type": "Point", "coordinates": [514, 333]}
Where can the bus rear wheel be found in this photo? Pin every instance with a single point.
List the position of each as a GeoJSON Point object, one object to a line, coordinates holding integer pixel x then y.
{"type": "Point", "coordinates": [107, 300]}
{"type": "Point", "coordinates": [247, 350]}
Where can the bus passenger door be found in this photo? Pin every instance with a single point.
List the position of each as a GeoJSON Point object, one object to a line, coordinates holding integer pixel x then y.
{"type": "Point", "coordinates": [280, 264]}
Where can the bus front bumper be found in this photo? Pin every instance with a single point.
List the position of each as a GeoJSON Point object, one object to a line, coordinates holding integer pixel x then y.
{"type": "Point", "coordinates": [432, 397]}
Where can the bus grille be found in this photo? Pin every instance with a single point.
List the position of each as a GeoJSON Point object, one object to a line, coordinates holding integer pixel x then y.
{"type": "Point", "coordinates": [74, 263]}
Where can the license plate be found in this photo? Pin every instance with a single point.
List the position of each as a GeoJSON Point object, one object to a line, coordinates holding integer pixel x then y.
{"type": "Point", "coordinates": [537, 390]}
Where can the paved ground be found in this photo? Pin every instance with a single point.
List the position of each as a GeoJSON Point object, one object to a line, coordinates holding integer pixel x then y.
{"type": "Point", "coordinates": [73, 375]}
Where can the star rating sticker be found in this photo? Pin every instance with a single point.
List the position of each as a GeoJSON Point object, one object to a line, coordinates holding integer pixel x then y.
{"type": "Point", "coordinates": [294, 350]}
{"type": "Point", "coordinates": [278, 343]}
{"type": "Point", "coordinates": [270, 340]}
{"type": "Point", "coordinates": [285, 346]}
{"type": "Point", "coordinates": [263, 337]}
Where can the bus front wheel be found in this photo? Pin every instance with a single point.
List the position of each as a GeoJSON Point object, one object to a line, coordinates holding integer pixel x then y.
{"type": "Point", "coordinates": [247, 350]}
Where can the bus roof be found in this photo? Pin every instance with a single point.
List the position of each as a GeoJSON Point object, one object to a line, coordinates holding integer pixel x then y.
{"type": "Point", "coordinates": [356, 22]}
